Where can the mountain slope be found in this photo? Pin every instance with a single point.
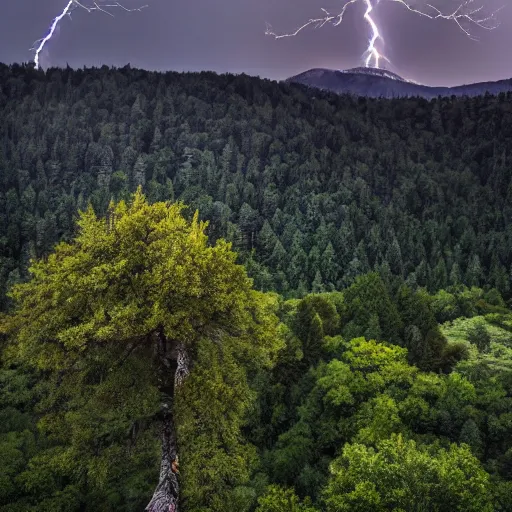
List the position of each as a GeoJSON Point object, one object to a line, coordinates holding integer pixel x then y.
{"type": "Point", "coordinates": [377, 83]}
{"type": "Point", "coordinates": [312, 192]}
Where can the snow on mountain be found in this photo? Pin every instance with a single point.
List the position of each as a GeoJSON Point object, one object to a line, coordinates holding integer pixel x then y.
{"type": "Point", "coordinates": [381, 83]}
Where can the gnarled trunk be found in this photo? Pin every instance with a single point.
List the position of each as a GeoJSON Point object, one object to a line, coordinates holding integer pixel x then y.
{"type": "Point", "coordinates": [174, 368]}
{"type": "Point", "coordinates": [167, 492]}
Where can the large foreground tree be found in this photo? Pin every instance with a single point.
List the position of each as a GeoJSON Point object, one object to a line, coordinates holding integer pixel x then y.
{"type": "Point", "coordinates": [116, 319]}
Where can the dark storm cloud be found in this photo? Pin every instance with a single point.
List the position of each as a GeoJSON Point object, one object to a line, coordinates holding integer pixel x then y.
{"type": "Point", "coordinates": [228, 35]}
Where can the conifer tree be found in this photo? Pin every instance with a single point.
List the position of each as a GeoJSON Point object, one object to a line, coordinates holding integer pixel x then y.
{"type": "Point", "coordinates": [117, 318]}
{"type": "Point", "coordinates": [474, 271]}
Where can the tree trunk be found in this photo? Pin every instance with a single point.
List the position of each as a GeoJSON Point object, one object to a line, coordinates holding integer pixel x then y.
{"type": "Point", "coordinates": [166, 495]}
{"type": "Point", "coordinates": [174, 368]}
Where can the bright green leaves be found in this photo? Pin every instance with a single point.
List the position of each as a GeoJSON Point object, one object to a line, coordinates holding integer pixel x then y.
{"type": "Point", "coordinates": [278, 499]}
{"type": "Point", "coordinates": [121, 278]}
{"type": "Point", "coordinates": [90, 318]}
{"type": "Point", "coordinates": [365, 368]}
{"type": "Point", "coordinates": [210, 414]}
{"type": "Point", "coordinates": [144, 266]}
{"type": "Point", "coordinates": [367, 396]}
{"type": "Point", "coordinates": [399, 475]}
{"type": "Point", "coordinates": [337, 383]}
{"type": "Point", "coordinates": [377, 420]}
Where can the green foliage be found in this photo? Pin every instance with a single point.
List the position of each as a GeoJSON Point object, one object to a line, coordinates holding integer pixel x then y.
{"type": "Point", "coordinates": [90, 318]}
{"type": "Point", "coordinates": [315, 194]}
{"type": "Point", "coordinates": [479, 336]}
{"type": "Point", "coordinates": [398, 475]}
{"type": "Point", "coordinates": [316, 316]}
{"type": "Point", "coordinates": [422, 336]}
{"type": "Point", "coordinates": [215, 458]}
{"type": "Point", "coordinates": [277, 499]}
{"type": "Point", "coordinates": [364, 392]}
{"type": "Point", "coordinates": [367, 301]}
{"type": "Point", "coordinates": [366, 368]}
{"type": "Point", "coordinates": [323, 188]}
{"type": "Point", "coordinates": [466, 302]}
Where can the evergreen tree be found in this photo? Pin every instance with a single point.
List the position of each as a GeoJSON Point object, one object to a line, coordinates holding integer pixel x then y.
{"type": "Point", "coordinates": [368, 296]}
{"type": "Point", "coordinates": [317, 285]}
{"type": "Point", "coordinates": [394, 258]}
{"type": "Point", "coordinates": [140, 293]}
{"type": "Point", "coordinates": [474, 271]}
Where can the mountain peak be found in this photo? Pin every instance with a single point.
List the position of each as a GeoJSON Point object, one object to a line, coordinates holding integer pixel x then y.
{"type": "Point", "coordinates": [381, 83]}
{"type": "Point", "coordinates": [374, 72]}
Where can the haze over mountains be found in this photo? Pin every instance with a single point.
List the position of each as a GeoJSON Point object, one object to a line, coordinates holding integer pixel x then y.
{"type": "Point", "coordinates": [380, 83]}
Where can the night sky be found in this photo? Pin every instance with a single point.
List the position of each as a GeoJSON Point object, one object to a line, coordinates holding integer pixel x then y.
{"type": "Point", "coordinates": [228, 36]}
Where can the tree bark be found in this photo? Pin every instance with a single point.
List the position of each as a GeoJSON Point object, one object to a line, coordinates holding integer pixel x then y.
{"type": "Point", "coordinates": [174, 368]}
{"type": "Point", "coordinates": [183, 366]}
{"type": "Point", "coordinates": [166, 495]}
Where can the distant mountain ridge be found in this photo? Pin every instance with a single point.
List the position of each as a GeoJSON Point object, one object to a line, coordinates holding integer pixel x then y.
{"type": "Point", "coordinates": [375, 72]}
{"type": "Point", "coordinates": [380, 83]}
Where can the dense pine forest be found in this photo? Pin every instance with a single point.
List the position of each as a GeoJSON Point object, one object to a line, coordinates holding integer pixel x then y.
{"type": "Point", "coordinates": [363, 363]}
{"type": "Point", "coordinates": [311, 190]}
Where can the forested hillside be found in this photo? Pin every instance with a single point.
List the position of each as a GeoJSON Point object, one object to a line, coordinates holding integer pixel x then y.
{"type": "Point", "coordinates": [366, 367]}
{"type": "Point", "coordinates": [311, 190]}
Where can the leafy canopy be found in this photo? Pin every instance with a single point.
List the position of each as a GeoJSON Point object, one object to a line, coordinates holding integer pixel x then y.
{"type": "Point", "coordinates": [402, 476]}
{"type": "Point", "coordinates": [143, 268]}
{"type": "Point", "coordinates": [89, 318]}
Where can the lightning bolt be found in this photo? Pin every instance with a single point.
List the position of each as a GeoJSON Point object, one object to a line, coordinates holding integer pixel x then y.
{"type": "Point", "coordinates": [472, 15]}
{"type": "Point", "coordinates": [68, 9]}
{"type": "Point", "coordinates": [371, 51]}
{"type": "Point", "coordinates": [465, 14]}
